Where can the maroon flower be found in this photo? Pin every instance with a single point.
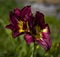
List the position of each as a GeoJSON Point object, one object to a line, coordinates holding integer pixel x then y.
{"type": "Point", "coordinates": [44, 40]}
{"type": "Point", "coordinates": [39, 30]}
{"type": "Point", "coordinates": [17, 20]}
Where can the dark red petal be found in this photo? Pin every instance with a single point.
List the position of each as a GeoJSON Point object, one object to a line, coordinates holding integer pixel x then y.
{"type": "Point", "coordinates": [47, 39]}
{"type": "Point", "coordinates": [15, 34]}
{"type": "Point", "coordinates": [31, 21]}
{"type": "Point", "coordinates": [24, 26]}
{"type": "Point", "coordinates": [26, 11]}
{"type": "Point", "coordinates": [17, 12]}
{"type": "Point", "coordinates": [42, 43]}
{"type": "Point", "coordinates": [10, 26]}
{"type": "Point", "coordinates": [28, 38]}
{"type": "Point", "coordinates": [40, 19]}
{"type": "Point", "coordinates": [13, 19]}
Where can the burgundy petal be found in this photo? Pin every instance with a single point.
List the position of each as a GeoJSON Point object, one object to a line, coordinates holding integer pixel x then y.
{"type": "Point", "coordinates": [31, 23]}
{"type": "Point", "coordinates": [10, 26]}
{"type": "Point", "coordinates": [26, 11]}
{"type": "Point", "coordinates": [24, 26]}
{"type": "Point", "coordinates": [47, 39]}
{"type": "Point", "coordinates": [15, 34]}
{"type": "Point", "coordinates": [13, 19]}
{"type": "Point", "coordinates": [17, 12]}
{"type": "Point", "coordinates": [42, 43]}
{"type": "Point", "coordinates": [40, 19]}
{"type": "Point", "coordinates": [28, 38]}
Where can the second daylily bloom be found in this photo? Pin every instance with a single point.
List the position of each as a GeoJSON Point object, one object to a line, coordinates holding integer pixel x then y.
{"type": "Point", "coordinates": [40, 31]}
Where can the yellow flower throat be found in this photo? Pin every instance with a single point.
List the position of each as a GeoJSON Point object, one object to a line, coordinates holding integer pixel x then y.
{"type": "Point", "coordinates": [20, 25]}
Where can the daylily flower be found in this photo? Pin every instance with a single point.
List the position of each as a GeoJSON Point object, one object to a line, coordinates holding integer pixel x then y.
{"type": "Point", "coordinates": [33, 27]}
{"type": "Point", "coordinates": [18, 20]}
{"type": "Point", "coordinates": [44, 40]}
{"type": "Point", "coordinates": [40, 31]}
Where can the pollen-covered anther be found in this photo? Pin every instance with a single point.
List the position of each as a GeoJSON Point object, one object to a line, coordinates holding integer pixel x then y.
{"type": "Point", "coordinates": [45, 30]}
{"type": "Point", "coordinates": [39, 36]}
{"type": "Point", "coordinates": [20, 25]}
{"type": "Point", "coordinates": [27, 29]}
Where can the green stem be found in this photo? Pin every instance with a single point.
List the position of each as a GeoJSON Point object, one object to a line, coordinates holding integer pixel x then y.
{"type": "Point", "coordinates": [34, 51]}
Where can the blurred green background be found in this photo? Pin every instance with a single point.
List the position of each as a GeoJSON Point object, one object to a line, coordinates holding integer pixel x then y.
{"type": "Point", "coordinates": [10, 47]}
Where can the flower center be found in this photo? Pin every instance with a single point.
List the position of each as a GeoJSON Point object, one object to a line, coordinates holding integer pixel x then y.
{"type": "Point", "coordinates": [39, 33]}
{"type": "Point", "coordinates": [38, 36]}
{"type": "Point", "coordinates": [21, 26]}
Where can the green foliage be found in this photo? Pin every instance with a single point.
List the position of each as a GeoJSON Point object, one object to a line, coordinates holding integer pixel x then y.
{"type": "Point", "coordinates": [10, 47]}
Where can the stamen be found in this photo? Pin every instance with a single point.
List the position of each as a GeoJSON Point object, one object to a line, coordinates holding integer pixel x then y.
{"type": "Point", "coordinates": [38, 33]}
{"type": "Point", "coordinates": [28, 27]}
{"type": "Point", "coordinates": [20, 25]}
{"type": "Point", "coordinates": [37, 29]}
{"type": "Point", "coordinates": [38, 36]}
{"type": "Point", "coordinates": [45, 30]}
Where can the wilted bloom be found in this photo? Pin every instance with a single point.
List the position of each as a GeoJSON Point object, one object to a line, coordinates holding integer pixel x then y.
{"type": "Point", "coordinates": [34, 27]}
